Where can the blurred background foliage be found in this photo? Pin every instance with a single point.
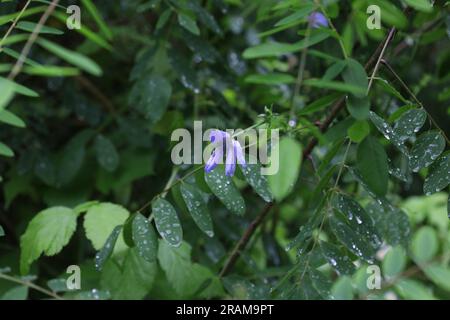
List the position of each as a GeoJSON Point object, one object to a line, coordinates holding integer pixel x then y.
{"type": "Point", "coordinates": [90, 114]}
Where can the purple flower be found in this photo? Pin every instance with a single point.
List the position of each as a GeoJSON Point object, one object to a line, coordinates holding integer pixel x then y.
{"type": "Point", "coordinates": [317, 20]}
{"type": "Point", "coordinates": [233, 152]}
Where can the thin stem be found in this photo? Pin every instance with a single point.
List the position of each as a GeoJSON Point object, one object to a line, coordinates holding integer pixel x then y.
{"type": "Point", "coordinates": [377, 65]}
{"type": "Point", "coordinates": [31, 285]}
{"type": "Point", "coordinates": [341, 44]}
{"type": "Point", "coordinates": [26, 49]}
{"type": "Point", "coordinates": [13, 25]}
{"type": "Point", "coordinates": [405, 86]}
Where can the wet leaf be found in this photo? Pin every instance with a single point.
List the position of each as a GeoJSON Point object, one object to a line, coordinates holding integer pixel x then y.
{"type": "Point", "coordinates": [339, 261]}
{"type": "Point", "coordinates": [388, 132]}
{"type": "Point", "coordinates": [426, 149]}
{"type": "Point", "coordinates": [144, 238]}
{"type": "Point", "coordinates": [107, 249]}
{"type": "Point", "coordinates": [167, 222]}
{"type": "Point", "coordinates": [409, 123]}
{"type": "Point", "coordinates": [223, 188]}
{"type": "Point", "coordinates": [438, 176]}
{"type": "Point", "coordinates": [252, 173]}
{"type": "Point", "coordinates": [197, 208]}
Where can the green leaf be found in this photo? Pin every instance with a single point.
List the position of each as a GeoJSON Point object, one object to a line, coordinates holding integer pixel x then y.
{"type": "Point", "coordinates": [353, 241]}
{"type": "Point", "coordinates": [259, 183]}
{"type": "Point", "coordinates": [108, 248]}
{"type": "Point", "coordinates": [167, 222]}
{"type": "Point", "coordinates": [6, 92]}
{"type": "Point", "coordinates": [297, 15]}
{"type": "Point", "coordinates": [340, 262]}
{"type": "Point", "coordinates": [439, 274]}
{"type": "Point", "coordinates": [354, 74]}
{"type": "Point", "coordinates": [30, 26]}
{"type": "Point", "coordinates": [391, 14]}
{"type": "Point", "coordinates": [372, 164]}
{"type": "Point", "coordinates": [270, 79]}
{"type": "Point", "coordinates": [335, 70]}
{"type": "Point", "coordinates": [414, 290]}
{"type": "Point", "coordinates": [223, 188]}
{"type": "Point", "coordinates": [11, 119]}
{"type": "Point", "coordinates": [106, 153]}
{"type": "Point", "coordinates": [130, 280]}
{"type": "Point", "coordinates": [358, 131]}
{"type": "Point", "coordinates": [409, 123]}
{"type": "Point", "coordinates": [5, 150]}
{"type": "Point", "coordinates": [426, 150]}
{"type": "Point", "coordinates": [144, 237]}
{"type": "Point", "coordinates": [319, 104]}
{"type": "Point", "coordinates": [2, 232]}
{"type": "Point", "coordinates": [183, 275]}
{"type": "Point", "coordinates": [388, 132]}
{"type": "Point", "coordinates": [335, 85]}
{"type": "Point", "coordinates": [188, 23]}
{"type": "Point", "coordinates": [93, 11]}
{"type": "Point", "coordinates": [290, 159]}
{"type": "Point", "coordinates": [16, 293]}
{"type": "Point", "coordinates": [271, 49]}
{"type": "Point", "coordinates": [358, 107]}
{"type": "Point", "coordinates": [394, 262]}
{"type": "Point", "coordinates": [358, 220]}
{"type": "Point", "coordinates": [197, 208]}
{"type": "Point", "coordinates": [421, 5]}
{"type": "Point", "coordinates": [47, 233]}
{"type": "Point", "coordinates": [151, 96]}
{"type": "Point", "coordinates": [424, 244]}
{"type": "Point", "coordinates": [100, 220]}
{"type": "Point", "coordinates": [74, 58]}
{"type": "Point", "coordinates": [342, 289]}
{"type": "Point", "coordinates": [438, 175]}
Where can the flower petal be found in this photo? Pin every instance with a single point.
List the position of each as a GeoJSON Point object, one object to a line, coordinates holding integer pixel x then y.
{"type": "Point", "coordinates": [239, 154]}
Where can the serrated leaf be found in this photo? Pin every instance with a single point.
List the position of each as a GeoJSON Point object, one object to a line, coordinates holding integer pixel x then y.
{"type": "Point", "coordinates": [144, 238]}
{"type": "Point", "coordinates": [259, 183]}
{"type": "Point", "coordinates": [426, 150]}
{"type": "Point", "coordinates": [100, 220]}
{"type": "Point", "coordinates": [167, 222]}
{"type": "Point", "coordinates": [424, 244]}
{"type": "Point", "coordinates": [107, 249]}
{"type": "Point", "coordinates": [106, 153]}
{"type": "Point", "coordinates": [394, 262]}
{"type": "Point", "coordinates": [290, 159]}
{"type": "Point", "coordinates": [354, 74]}
{"type": "Point", "coordinates": [47, 233]}
{"type": "Point", "coordinates": [340, 262]}
{"type": "Point", "coordinates": [223, 188]}
{"type": "Point", "coordinates": [388, 132]}
{"type": "Point", "coordinates": [131, 279]}
{"type": "Point", "coordinates": [438, 175]}
{"type": "Point", "coordinates": [197, 208]}
{"type": "Point", "coordinates": [372, 164]}
{"type": "Point", "coordinates": [409, 123]}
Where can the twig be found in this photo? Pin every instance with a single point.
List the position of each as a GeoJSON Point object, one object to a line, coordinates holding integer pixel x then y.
{"type": "Point", "coordinates": [339, 104]}
{"type": "Point", "coordinates": [244, 240]}
{"type": "Point", "coordinates": [405, 86]}
{"type": "Point", "coordinates": [13, 25]}
{"type": "Point", "coordinates": [26, 49]}
{"type": "Point", "coordinates": [31, 285]}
